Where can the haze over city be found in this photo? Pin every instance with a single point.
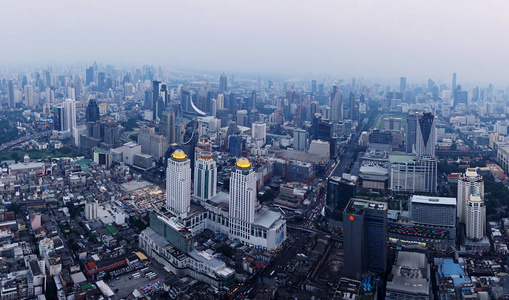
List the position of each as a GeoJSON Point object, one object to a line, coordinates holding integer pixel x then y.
{"type": "Point", "coordinates": [371, 39]}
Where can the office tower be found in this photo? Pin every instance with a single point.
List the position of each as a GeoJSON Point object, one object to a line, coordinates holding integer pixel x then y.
{"type": "Point", "coordinates": [352, 106]}
{"type": "Point", "coordinates": [11, 101]}
{"type": "Point", "coordinates": [433, 211]}
{"type": "Point", "coordinates": [321, 89]}
{"type": "Point", "coordinates": [92, 112]}
{"type": "Point", "coordinates": [411, 129]}
{"type": "Point", "coordinates": [365, 237]}
{"type": "Point", "coordinates": [144, 138]}
{"type": "Point", "coordinates": [178, 184]}
{"type": "Point", "coordinates": [426, 136]}
{"type": "Point", "coordinates": [223, 83]}
{"type": "Point", "coordinates": [70, 115]}
{"type": "Point", "coordinates": [469, 183]}
{"type": "Point", "coordinates": [339, 193]}
{"type": "Point", "coordinates": [47, 77]}
{"type": "Point", "coordinates": [336, 104]}
{"type": "Point", "coordinates": [89, 76]}
{"type": "Point", "coordinates": [168, 126]}
{"type": "Point", "coordinates": [402, 84]}
{"type": "Point", "coordinates": [476, 217]}
{"type": "Point", "coordinates": [101, 81]}
{"type": "Point", "coordinates": [313, 86]}
{"type": "Point", "coordinates": [205, 177]}
{"type": "Point", "coordinates": [232, 102]}
{"type": "Point", "coordinates": [91, 207]}
{"type": "Point", "coordinates": [29, 96]}
{"type": "Point", "coordinates": [243, 200]}
{"type": "Point", "coordinates": [147, 103]}
{"type": "Point", "coordinates": [300, 137]}
{"type": "Point", "coordinates": [111, 135]}
{"type": "Point", "coordinates": [453, 81]}
{"type": "Point", "coordinates": [259, 131]}
{"type": "Point", "coordinates": [155, 99]}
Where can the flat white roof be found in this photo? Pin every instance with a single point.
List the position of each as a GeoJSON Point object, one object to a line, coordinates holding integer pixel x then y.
{"type": "Point", "coordinates": [433, 200]}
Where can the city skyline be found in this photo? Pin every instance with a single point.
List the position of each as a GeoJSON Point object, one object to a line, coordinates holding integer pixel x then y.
{"type": "Point", "coordinates": [415, 40]}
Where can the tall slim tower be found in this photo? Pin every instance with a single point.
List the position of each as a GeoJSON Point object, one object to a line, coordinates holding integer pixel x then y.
{"type": "Point", "coordinates": [426, 136]}
{"type": "Point", "coordinates": [313, 86]}
{"type": "Point", "coordinates": [89, 76]}
{"type": "Point", "coordinates": [469, 183]}
{"type": "Point", "coordinates": [336, 103]}
{"type": "Point", "coordinates": [178, 184]}
{"type": "Point", "coordinates": [243, 200]}
{"type": "Point", "coordinates": [476, 217]}
{"type": "Point", "coordinates": [11, 94]}
{"type": "Point", "coordinates": [155, 99]}
{"type": "Point", "coordinates": [223, 83]}
{"type": "Point", "coordinates": [453, 82]}
{"type": "Point", "coordinates": [205, 176]}
{"type": "Point", "coordinates": [411, 130]}
{"type": "Point", "coordinates": [402, 84]}
{"type": "Point", "coordinates": [352, 106]}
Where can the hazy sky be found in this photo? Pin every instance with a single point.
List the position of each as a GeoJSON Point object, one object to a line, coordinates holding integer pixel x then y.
{"type": "Point", "coordinates": [376, 38]}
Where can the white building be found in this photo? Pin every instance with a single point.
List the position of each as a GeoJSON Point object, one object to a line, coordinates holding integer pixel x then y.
{"type": "Point", "coordinates": [476, 217]}
{"type": "Point", "coordinates": [259, 131]}
{"type": "Point", "coordinates": [468, 184]}
{"type": "Point", "coordinates": [205, 177]}
{"type": "Point", "coordinates": [91, 209]}
{"type": "Point", "coordinates": [243, 200]}
{"type": "Point", "coordinates": [408, 173]}
{"type": "Point", "coordinates": [178, 184]}
{"type": "Point", "coordinates": [129, 150]}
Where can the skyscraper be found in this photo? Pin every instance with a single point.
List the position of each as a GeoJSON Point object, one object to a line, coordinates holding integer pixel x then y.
{"type": "Point", "coordinates": [155, 99]}
{"type": "Point", "coordinates": [469, 183]}
{"type": "Point", "coordinates": [313, 86]}
{"type": "Point", "coordinates": [411, 129]}
{"type": "Point", "coordinates": [352, 106]}
{"type": "Point", "coordinates": [300, 139]}
{"type": "Point", "coordinates": [89, 75]}
{"type": "Point", "coordinates": [223, 83]}
{"type": "Point", "coordinates": [476, 217]}
{"type": "Point", "coordinates": [402, 84]}
{"type": "Point", "coordinates": [92, 113]}
{"type": "Point", "coordinates": [365, 237]}
{"type": "Point", "coordinates": [178, 184]}
{"type": "Point", "coordinates": [101, 81]}
{"type": "Point", "coordinates": [426, 136]}
{"type": "Point", "coordinates": [453, 82]}
{"type": "Point", "coordinates": [11, 94]}
{"type": "Point", "coordinates": [243, 200]}
{"type": "Point", "coordinates": [205, 177]}
{"type": "Point", "coordinates": [336, 103]}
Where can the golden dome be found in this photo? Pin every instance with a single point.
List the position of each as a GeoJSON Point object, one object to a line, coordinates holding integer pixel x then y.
{"type": "Point", "coordinates": [243, 163]}
{"type": "Point", "coordinates": [179, 154]}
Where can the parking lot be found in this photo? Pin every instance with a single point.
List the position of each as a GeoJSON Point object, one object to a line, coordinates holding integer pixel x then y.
{"type": "Point", "coordinates": [125, 284]}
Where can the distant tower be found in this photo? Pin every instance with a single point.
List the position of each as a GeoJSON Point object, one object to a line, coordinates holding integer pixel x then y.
{"type": "Point", "coordinates": [92, 113]}
{"type": "Point", "coordinates": [453, 82]}
{"type": "Point", "coordinates": [313, 86]}
{"type": "Point", "coordinates": [336, 104]}
{"type": "Point", "coordinates": [300, 139]}
{"type": "Point", "coordinates": [426, 136]}
{"type": "Point", "coordinates": [469, 183]}
{"type": "Point", "coordinates": [402, 84]}
{"type": "Point", "coordinates": [155, 99]}
{"type": "Point", "coordinates": [476, 217]}
{"type": "Point", "coordinates": [11, 94]}
{"type": "Point", "coordinates": [411, 129]}
{"type": "Point", "coordinates": [178, 184]}
{"type": "Point", "coordinates": [89, 75]}
{"type": "Point", "coordinates": [352, 106]}
{"type": "Point", "coordinates": [223, 84]}
{"type": "Point", "coordinates": [205, 177]}
{"type": "Point", "coordinates": [101, 81]}
{"type": "Point", "coordinates": [243, 200]}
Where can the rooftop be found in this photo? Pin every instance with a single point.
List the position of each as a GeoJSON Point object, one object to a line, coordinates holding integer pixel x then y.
{"type": "Point", "coordinates": [433, 200]}
{"type": "Point", "coordinates": [357, 206]}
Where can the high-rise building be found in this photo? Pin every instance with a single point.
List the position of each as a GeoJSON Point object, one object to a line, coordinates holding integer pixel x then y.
{"type": "Point", "coordinates": [352, 106]}
{"type": "Point", "coordinates": [243, 201]}
{"type": "Point", "coordinates": [259, 131]}
{"type": "Point", "coordinates": [453, 81]}
{"type": "Point", "coordinates": [313, 86]}
{"type": "Point", "coordinates": [101, 81]}
{"type": "Point", "coordinates": [339, 193]}
{"type": "Point", "coordinates": [29, 96]}
{"type": "Point", "coordinates": [408, 173]}
{"type": "Point", "coordinates": [11, 101]}
{"type": "Point", "coordinates": [433, 211]}
{"type": "Point", "coordinates": [300, 138]}
{"type": "Point", "coordinates": [476, 217]}
{"type": "Point", "coordinates": [426, 136]}
{"type": "Point", "coordinates": [155, 99]}
{"type": "Point", "coordinates": [69, 116]}
{"type": "Point", "coordinates": [91, 207]}
{"type": "Point", "coordinates": [402, 84]}
{"type": "Point", "coordinates": [469, 183]}
{"type": "Point", "coordinates": [365, 237]}
{"type": "Point", "coordinates": [89, 76]}
{"type": "Point", "coordinates": [223, 83]}
{"type": "Point", "coordinates": [178, 184]}
{"type": "Point", "coordinates": [92, 113]}
{"type": "Point", "coordinates": [411, 129]}
{"type": "Point", "coordinates": [205, 177]}
{"type": "Point", "coordinates": [336, 104]}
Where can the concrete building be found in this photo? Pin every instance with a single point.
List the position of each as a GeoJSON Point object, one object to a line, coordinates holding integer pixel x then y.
{"type": "Point", "coordinates": [91, 208]}
{"type": "Point", "coordinates": [409, 278]}
{"type": "Point", "coordinates": [205, 177]}
{"type": "Point", "coordinates": [469, 183]}
{"type": "Point", "coordinates": [178, 184]}
{"type": "Point", "coordinates": [434, 211]}
{"type": "Point", "coordinates": [129, 150]}
{"type": "Point", "coordinates": [259, 131]}
{"type": "Point", "coordinates": [475, 217]}
{"type": "Point", "coordinates": [300, 137]}
{"type": "Point", "coordinates": [365, 237]}
{"type": "Point", "coordinates": [408, 173]}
